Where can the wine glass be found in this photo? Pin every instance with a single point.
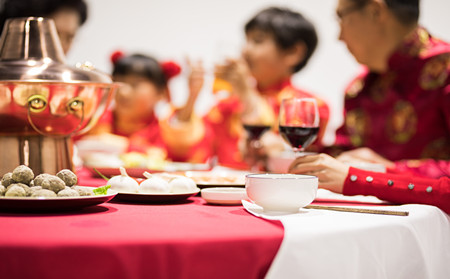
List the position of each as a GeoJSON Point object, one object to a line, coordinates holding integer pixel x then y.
{"type": "Point", "coordinates": [299, 122]}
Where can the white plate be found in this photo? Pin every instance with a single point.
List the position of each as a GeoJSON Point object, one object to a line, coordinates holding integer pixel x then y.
{"type": "Point", "coordinates": [224, 195]}
{"type": "Point", "coordinates": [205, 179]}
{"type": "Point", "coordinates": [139, 171]}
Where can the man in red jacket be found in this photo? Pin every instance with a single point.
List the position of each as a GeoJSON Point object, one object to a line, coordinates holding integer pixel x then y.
{"type": "Point", "coordinates": [397, 112]}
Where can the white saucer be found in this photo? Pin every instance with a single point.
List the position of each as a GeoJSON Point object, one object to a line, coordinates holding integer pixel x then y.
{"type": "Point", "coordinates": [224, 195]}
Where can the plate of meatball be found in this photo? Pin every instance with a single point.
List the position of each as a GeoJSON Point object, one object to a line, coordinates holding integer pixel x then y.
{"type": "Point", "coordinates": [23, 191]}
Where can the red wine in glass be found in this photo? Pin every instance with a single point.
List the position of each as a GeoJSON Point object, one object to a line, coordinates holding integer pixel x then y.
{"type": "Point", "coordinates": [255, 131]}
{"type": "Point", "coordinates": [299, 137]}
{"type": "Point", "coordinates": [299, 122]}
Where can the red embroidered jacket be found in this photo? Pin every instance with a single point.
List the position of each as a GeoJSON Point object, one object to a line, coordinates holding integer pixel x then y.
{"type": "Point", "coordinates": [404, 113]}
{"type": "Point", "coordinates": [399, 188]}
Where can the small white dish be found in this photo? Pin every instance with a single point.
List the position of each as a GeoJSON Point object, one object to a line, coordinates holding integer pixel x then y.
{"type": "Point", "coordinates": [224, 195]}
{"type": "Point", "coordinates": [205, 179]}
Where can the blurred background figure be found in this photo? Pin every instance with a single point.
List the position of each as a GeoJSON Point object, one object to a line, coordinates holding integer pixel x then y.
{"type": "Point", "coordinates": [279, 43]}
{"type": "Point", "coordinates": [327, 74]}
{"type": "Point", "coordinates": [68, 15]}
{"type": "Point", "coordinates": [142, 119]}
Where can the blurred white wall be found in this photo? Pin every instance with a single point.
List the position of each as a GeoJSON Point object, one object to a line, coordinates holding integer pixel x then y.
{"type": "Point", "coordinates": [172, 29]}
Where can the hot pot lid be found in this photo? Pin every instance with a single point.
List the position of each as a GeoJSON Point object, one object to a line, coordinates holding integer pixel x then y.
{"type": "Point", "coordinates": [30, 51]}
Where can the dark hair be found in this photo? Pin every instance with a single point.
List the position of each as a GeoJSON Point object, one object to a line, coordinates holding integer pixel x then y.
{"type": "Point", "coordinates": [141, 65]}
{"type": "Point", "coordinates": [25, 8]}
{"type": "Point", "coordinates": [406, 11]}
{"type": "Point", "coordinates": [288, 28]}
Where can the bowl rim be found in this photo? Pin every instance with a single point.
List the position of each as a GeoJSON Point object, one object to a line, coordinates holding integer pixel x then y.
{"type": "Point", "coordinates": [280, 176]}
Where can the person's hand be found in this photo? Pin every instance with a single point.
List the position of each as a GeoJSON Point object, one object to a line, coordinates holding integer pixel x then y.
{"type": "Point", "coordinates": [363, 155]}
{"type": "Point", "coordinates": [196, 80]}
{"type": "Point", "coordinates": [257, 152]}
{"type": "Point", "coordinates": [236, 72]}
{"type": "Point", "coordinates": [331, 172]}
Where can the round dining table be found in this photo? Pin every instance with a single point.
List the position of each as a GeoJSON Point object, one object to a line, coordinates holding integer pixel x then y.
{"type": "Point", "coordinates": [193, 239]}
{"type": "Point", "coordinates": [186, 239]}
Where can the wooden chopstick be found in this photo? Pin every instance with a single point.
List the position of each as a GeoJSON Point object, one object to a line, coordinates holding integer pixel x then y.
{"type": "Point", "coordinates": [359, 210]}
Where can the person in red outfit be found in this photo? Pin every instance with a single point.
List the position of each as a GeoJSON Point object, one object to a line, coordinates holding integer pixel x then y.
{"type": "Point", "coordinates": [399, 105]}
{"type": "Point", "coordinates": [397, 109]}
{"type": "Point", "coordinates": [137, 114]}
{"type": "Point", "coordinates": [399, 188]}
{"type": "Point", "coordinates": [279, 43]}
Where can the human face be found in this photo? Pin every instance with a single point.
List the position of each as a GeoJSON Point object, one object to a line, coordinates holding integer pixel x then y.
{"type": "Point", "coordinates": [137, 97]}
{"type": "Point", "coordinates": [358, 31]}
{"type": "Point", "coordinates": [264, 58]}
{"type": "Point", "coordinates": [67, 22]}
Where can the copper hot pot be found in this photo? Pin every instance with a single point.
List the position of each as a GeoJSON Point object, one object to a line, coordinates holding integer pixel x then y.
{"type": "Point", "coordinates": [43, 101]}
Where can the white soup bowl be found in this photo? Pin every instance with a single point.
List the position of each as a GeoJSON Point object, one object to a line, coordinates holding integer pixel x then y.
{"type": "Point", "coordinates": [281, 192]}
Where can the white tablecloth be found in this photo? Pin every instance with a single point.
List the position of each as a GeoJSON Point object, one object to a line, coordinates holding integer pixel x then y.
{"type": "Point", "coordinates": [331, 244]}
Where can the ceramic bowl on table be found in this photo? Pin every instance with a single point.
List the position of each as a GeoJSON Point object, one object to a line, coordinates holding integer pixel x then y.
{"type": "Point", "coordinates": [281, 192]}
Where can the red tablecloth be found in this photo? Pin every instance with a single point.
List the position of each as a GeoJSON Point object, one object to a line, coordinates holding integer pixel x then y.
{"type": "Point", "coordinates": [119, 240]}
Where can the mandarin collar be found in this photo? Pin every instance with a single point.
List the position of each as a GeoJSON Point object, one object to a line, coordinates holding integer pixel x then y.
{"type": "Point", "coordinates": [414, 45]}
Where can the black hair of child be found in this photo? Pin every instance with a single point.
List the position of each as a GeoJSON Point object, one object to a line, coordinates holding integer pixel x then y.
{"type": "Point", "coordinates": [288, 28]}
{"type": "Point", "coordinates": [141, 65]}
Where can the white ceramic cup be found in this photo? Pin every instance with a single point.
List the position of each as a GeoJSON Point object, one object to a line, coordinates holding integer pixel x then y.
{"type": "Point", "coordinates": [281, 192]}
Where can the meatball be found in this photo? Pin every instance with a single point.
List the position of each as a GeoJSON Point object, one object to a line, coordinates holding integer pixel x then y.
{"type": "Point", "coordinates": [2, 190]}
{"type": "Point", "coordinates": [34, 189]}
{"type": "Point", "coordinates": [7, 179]}
{"type": "Point", "coordinates": [68, 177]}
{"type": "Point", "coordinates": [15, 191]}
{"type": "Point", "coordinates": [22, 174]}
{"type": "Point", "coordinates": [83, 191]}
{"type": "Point", "coordinates": [23, 186]}
{"type": "Point", "coordinates": [49, 182]}
{"type": "Point", "coordinates": [43, 193]}
{"type": "Point", "coordinates": [40, 178]}
{"type": "Point", "coordinates": [68, 192]}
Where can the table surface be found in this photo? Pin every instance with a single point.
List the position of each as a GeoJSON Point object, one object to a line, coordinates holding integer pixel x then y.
{"type": "Point", "coordinates": [344, 245]}
{"type": "Point", "coordinates": [119, 240]}
{"type": "Point", "coordinates": [193, 239]}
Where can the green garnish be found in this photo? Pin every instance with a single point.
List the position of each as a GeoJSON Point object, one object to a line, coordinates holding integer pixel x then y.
{"type": "Point", "coordinates": [101, 175]}
{"type": "Point", "coordinates": [103, 190]}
